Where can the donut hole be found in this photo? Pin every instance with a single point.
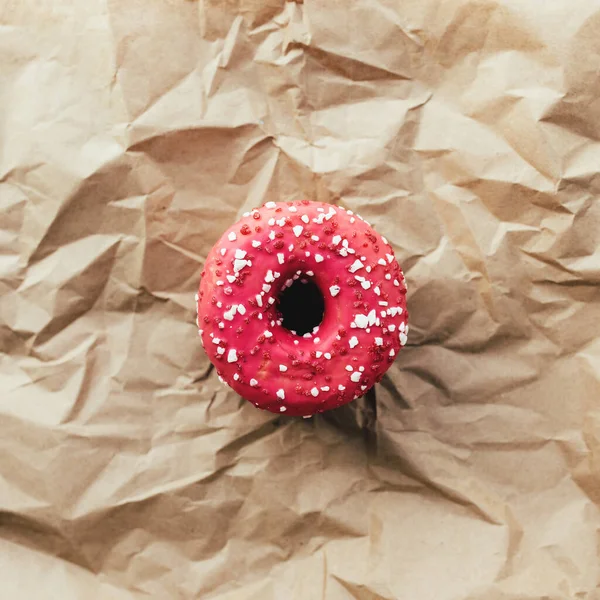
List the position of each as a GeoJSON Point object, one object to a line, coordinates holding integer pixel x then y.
{"type": "Point", "coordinates": [301, 306]}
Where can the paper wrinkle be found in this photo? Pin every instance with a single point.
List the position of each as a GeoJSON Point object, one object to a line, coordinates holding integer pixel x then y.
{"type": "Point", "coordinates": [466, 133]}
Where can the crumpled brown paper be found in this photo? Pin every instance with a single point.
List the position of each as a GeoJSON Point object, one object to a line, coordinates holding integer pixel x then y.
{"type": "Point", "coordinates": [133, 133]}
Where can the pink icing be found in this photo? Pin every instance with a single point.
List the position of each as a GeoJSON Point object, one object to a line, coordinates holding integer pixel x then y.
{"type": "Point", "coordinates": [364, 324]}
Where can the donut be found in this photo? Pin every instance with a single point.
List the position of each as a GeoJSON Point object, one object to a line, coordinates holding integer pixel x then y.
{"type": "Point", "coordinates": [301, 307]}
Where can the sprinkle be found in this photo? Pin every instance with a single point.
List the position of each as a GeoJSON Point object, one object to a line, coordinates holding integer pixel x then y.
{"type": "Point", "coordinates": [269, 276]}
{"type": "Point", "coordinates": [241, 309]}
{"type": "Point", "coordinates": [356, 265]}
{"type": "Point", "coordinates": [238, 265]}
{"type": "Point", "coordinates": [336, 239]}
{"type": "Point", "coordinates": [320, 209]}
{"type": "Point", "coordinates": [305, 219]}
{"type": "Point", "coordinates": [395, 310]}
{"type": "Point", "coordinates": [296, 342]}
{"type": "Point", "coordinates": [385, 240]}
{"type": "Point", "coordinates": [282, 368]}
{"type": "Point", "coordinates": [402, 327]}
{"type": "Point", "coordinates": [231, 278]}
{"type": "Point", "coordinates": [223, 250]}
{"type": "Point", "coordinates": [330, 214]}
{"type": "Point", "coordinates": [315, 238]}
{"type": "Point", "coordinates": [281, 222]}
{"type": "Point", "coordinates": [276, 274]}
{"type": "Point", "coordinates": [379, 341]}
{"type": "Point", "coordinates": [229, 314]}
{"type": "Point", "coordinates": [256, 243]}
{"type": "Point", "coordinates": [292, 209]}
{"type": "Point", "coordinates": [353, 341]}
{"type": "Point", "coordinates": [318, 354]}
{"type": "Point", "coordinates": [253, 382]}
{"type": "Point", "coordinates": [310, 273]}
{"type": "Point", "coordinates": [259, 299]}
{"type": "Point", "coordinates": [377, 290]}
{"type": "Point", "coordinates": [318, 258]}
{"type": "Point", "coordinates": [307, 253]}
{"type": "Point", "coordinates": [392, 327]}
{"type": "Point", "coordinates": [361, 321]}
{"type": "Point", "coordinates": [381, 262]}
{"type": "Point", "coordinates": [220, 350]}
{"type": "Point", "coordinates": [349, 368]}
{"type": "Point", "coordinates": [396, 282]}
{"type": "Point", "coordinates": [355, 376]}
{"type": "Point", "coordinates": [280, 258]}
{"type": "Point", "coordinates": [270, 204]}
{"type": "Point", "coordinates": [281, 394]}
{"type": "Point", "coordinates": [334, 290]}
{"type": "Point", "coordinates": [343, 252]}
{"type": "Point", "coordinates": [272, 233]}
{"type": "Point", "coordinates": [383, 313]}
{"type": "Point", "coordinates": [236, 377]}
{"type": "Point", "coordinates": [365, 285]}
{"type": "Point", "coordinates": [216, 341]}
{"type": "Point", "coordinates": [361, 369]}
{"type": "Point", "coordinates": [267, 334]}
{"type": "Point", "coordinates": [221, 325]}
{"type": "Point", "coordinates": [232, 355]}
{"type": "Point", "coordinates": [232, 237]}
{"type": "Point", "coordinates": [315, 392]}
{"type": "Point", "coordinates": [341, 387]}
{"type": "Point", "coordinates": [325, 388]}
{"type": "Point", "coordinates": [352, 219]}
{"type": "Point", "coordinates": [372, 316]}
{"type": "Point", "coordinates": [291, 247]}
{"type": "Point", "coordinates": [392, 352]}
{"type": "Point", "coordinates": [316, 340]}
{"type": "Point", "coordinates": [240, 253]}
{"type": "Point", "coordinates": [327, 355]}
{"type": "Point", "coordinates": [282, 409]}
{"type": "Point", "coordinates": [388, 276]}
{"type": "Point", "coordinates": [266, 288]}
{"type": "Point", "coordinates": [382, 303]}
{"type": "Point", "coordinates": [297, 229]}
{"type": "Point", "coordinates": [403, 338]}
{"type": "Point", "coordinates": [368, 269]}
{"type": "Point", "coordinates": [390, 257]}
{"type": "Point", "coordinates": [307, 335]}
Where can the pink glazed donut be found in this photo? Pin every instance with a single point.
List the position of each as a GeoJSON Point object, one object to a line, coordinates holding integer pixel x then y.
{"type": "Point", "coordinates": [301, 307]}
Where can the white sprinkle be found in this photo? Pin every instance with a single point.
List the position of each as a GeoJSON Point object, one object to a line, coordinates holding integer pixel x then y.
{"type": "Point", "coordinates": [219, 305]}
{"type": "Point", "coordinates": [280, 258]}
{"type": "Point", "coordinates": [336, 239]}
{"type": "Point", "coordinates": [318, 354]}
{"type": "Point", "coordinates": [365, 285]}
{"type": "Point", "coordinates": [216, 341]}
{"type": "Point", "coordinates": [253, 382]}
{"type": "Point", "coordinates": [315, 238]}
{"type": "Point", "coordinates": [325, 388]}
{"type": "Point", "coordinates": [241, 309]}
{"type": "Point", "coordinates": [349, 368]}
{"type": "Point", "coordinates": [272, 233]}
{"type": "Point", "coordinates": [382, 303]}
{"type": "Point", "coordinates": [276, 274]}
{"type": "Point", "coordinates": [356, 265]}
{"type": "Point", "coordinates": [316, 340]}
{"type": "Point", "coordinates": [291, 247]}
{"type": "Point", "coordinates": [232, 237]}
{"type": "Point", "coordinates": [221, 325]}
{"type": "Point", "coordinates": [269, 276]}
{"type": "Point", "coordinates": [392, 352]}
{"type": "Point", "coordinates": [334, 290]}
{"type": "Point", "coordinates": [223, 250]}
{"type": "Point", "coordinates": [377, 290]}
{"type": "Point", "coordinates": [297, 229]}
{"type": "Point", "coordinates": [320, 209]}
{"type": "Point", "coordinates": [352, 219]}
{"type": "Point", "coordinates": [282, 409]}
{"type": "Point", "coordinates": [240, 253]}
{"type": "Point", "coordinates": [355, 376]}
{"type": "Point", "coordinates": [281, 222]}
{"type": "Point", "coordinates": [266, 288]}
{"type": "Point", "coordinates": [343, 252]}
{"type": "Point", "coordinates": [327, 355]}
{"type": "Point", "coordinates": [296, 342]}
{"type": "Point", "coordinates": [379, 341]}
{"type": "Point", "coordinates": [258, 299]}
{"type": "Point", "coordinates": [232, 355]}
{"type": "Point", "coordinates": [270, 204]}
{"type": "Point", "coordinates": [368, 269]}
{"type": "Point", "coordinates": [330, 214]}
{"type": "Point", "coordinates": [361, 369]}
{"type": "Point", "coordinates": [292, 209]}
{"type": "Point", "coordinates": [392, 327]}
{"type": "Point", "coordinates": [256, 243]}
{"type": "Point", "coordinates": [372, 316]}
{"type": "Point", "coordinates": [310, 273]}
{"type": "Point", "coordinates": [388, 276]}
{"type": "Point", "coordinates": [315, 392]}
{"type": "Point", "coordinates": [220, 350]}
{"type": "Point", "coordinates": [383, 313]}
{"type": "Point", "coordinates": [403, 338]}
{"type": "Point", "coordinates": [341, 387]}
{"type": "Point", "coordinates": [229, 314]}
{"type": "Point", "coordinates": [318, 258]}
{"type": "Point", "coordinates": [381, 262]}
{"type": "Point", "coordinates": [305, 219]}
{"type": "Point", "coordinates": [282, 368]}
{"type": "Point", "coordinates": [238, 265]}
{"type": "Point", "coordinates": [349, 212]}
{"type": "Point", "coordinates": [363, 258]}
{"type": "Point", "coordinates": [385, 240]}
{"type": "Point", "coordinates": [345, 243]}
{"type": "Point", "coordinates": [307, 253]}
{"type": "Point", "coordinates": [236, 377]}
{"type": "Point", "coordinates": [307, 335]}
{"type": "Point", "coordinates": [267, 334]}
{"type": "Point", "coordinates": [230, 278]}
{"type": "Point", "coordinates": [353, 341]}
{"type": "Point", "coordinates": [402, 327]}
{"type": "Point", "coordinates": [281, 394]}
{"type": "Point", "coordinates": [361, 321]}
{"type": "Point", "coordinates": [390, 257]}
{"type": "Point", "coordinates": [396, 282]}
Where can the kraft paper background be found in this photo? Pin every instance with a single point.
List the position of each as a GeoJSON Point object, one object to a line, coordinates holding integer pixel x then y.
{"type": "Point", "coordinates": [132, 133]}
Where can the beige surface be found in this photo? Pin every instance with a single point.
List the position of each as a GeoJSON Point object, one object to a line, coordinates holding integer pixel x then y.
{"type": "Point", "coordinates": [133, 133]}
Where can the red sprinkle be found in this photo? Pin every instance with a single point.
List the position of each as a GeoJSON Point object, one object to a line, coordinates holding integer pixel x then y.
{"type": "Point", "coordinates": [245, 230]}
